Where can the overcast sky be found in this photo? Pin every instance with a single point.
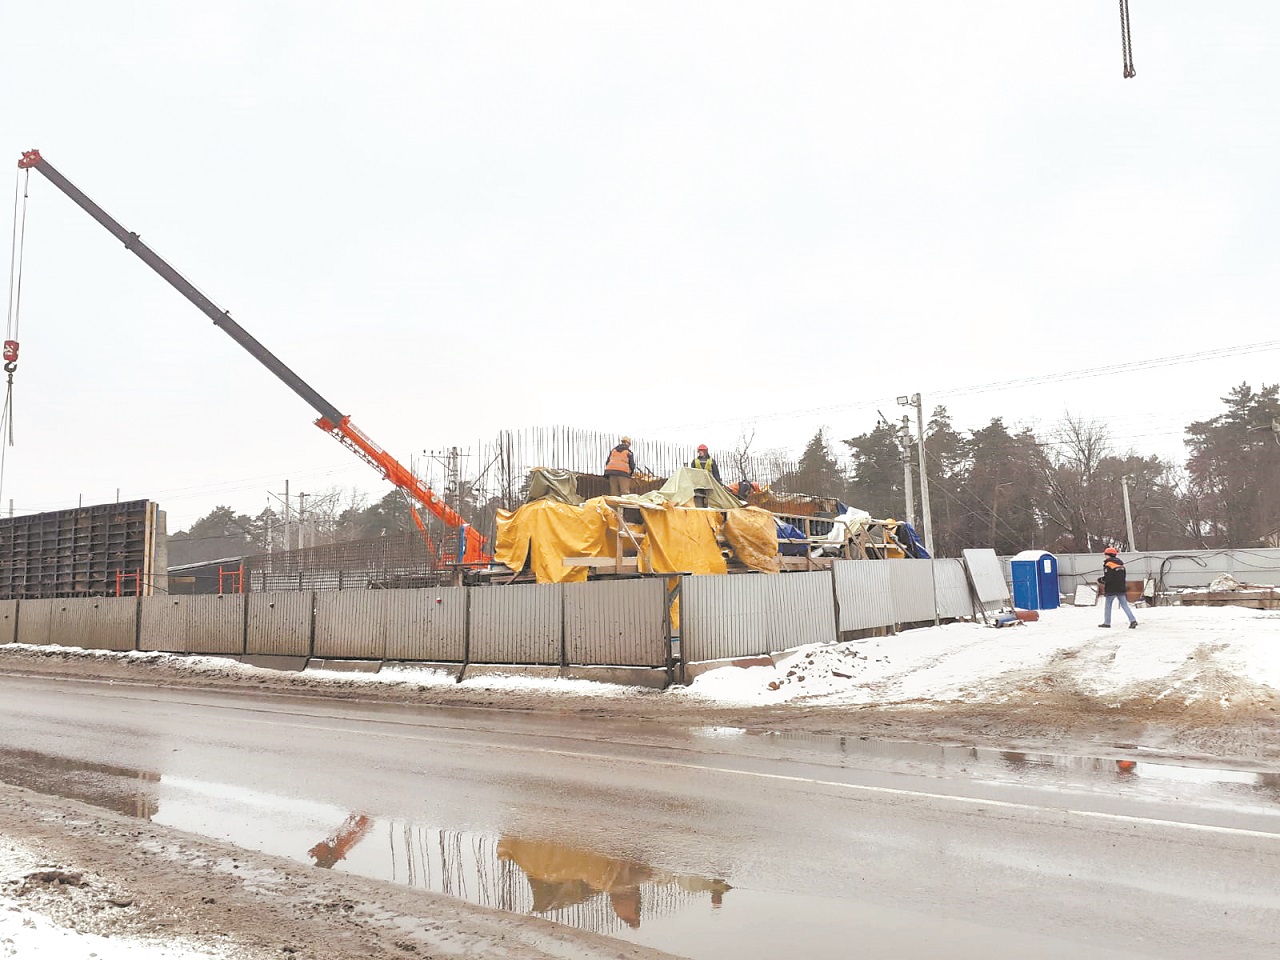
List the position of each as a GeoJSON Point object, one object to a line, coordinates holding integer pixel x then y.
{"type": "Point", "coordinates": [674, 220]}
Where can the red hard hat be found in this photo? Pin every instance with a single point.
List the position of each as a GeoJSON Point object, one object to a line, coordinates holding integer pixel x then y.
{"type": "Point", "coordinates": [701, 447]}
{"type": "Point", "coordinates": [1111, 550]}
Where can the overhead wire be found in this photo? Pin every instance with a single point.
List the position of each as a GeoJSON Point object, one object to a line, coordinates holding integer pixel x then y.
{"type": "Point", "coordinates": [1083, 373]}
{"type": "Point", "coordinates": [13, 311]}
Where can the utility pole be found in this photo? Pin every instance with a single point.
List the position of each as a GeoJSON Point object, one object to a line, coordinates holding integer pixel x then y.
{"type": "Point", "coordinates": [302, 520]}
{"type": "Point", "coordinates": [915, 401]}
{"type": "Point", "coordinates": [1128, 515]}
{"type": "Point", "coordinates": [904, 437]}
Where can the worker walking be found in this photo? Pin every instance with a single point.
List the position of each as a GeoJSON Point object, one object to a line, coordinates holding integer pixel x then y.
{"type": "Point", "coordinates": [1114, 584]}
{"type": "Point", "coordinates": [620, 468]}
{"type": "Point", "coordinates": [704, 461]}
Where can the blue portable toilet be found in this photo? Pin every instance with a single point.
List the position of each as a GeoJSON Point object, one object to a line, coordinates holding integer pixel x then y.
{"type": "Point", "coordinates": [1035, 580]}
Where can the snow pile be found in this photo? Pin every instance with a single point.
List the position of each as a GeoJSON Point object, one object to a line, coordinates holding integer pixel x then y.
{"type": "Point", "coordinates": [28, 933]}
{"type": "Point", "coordinates": [1190, 654]}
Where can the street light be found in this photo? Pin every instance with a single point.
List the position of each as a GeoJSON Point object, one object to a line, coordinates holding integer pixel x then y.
{"type": "Point", "coordinates": [914, 401]}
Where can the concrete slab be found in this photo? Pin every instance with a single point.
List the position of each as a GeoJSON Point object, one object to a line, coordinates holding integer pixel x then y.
{"type": "Point", "coordinates": [511, 670]}
{"type": "Point", "coordinates": [347, 666]}
{"type": "Point", "coordinates": [656, 678]}
{"type": "Point", "coordinates": [274, 662]}
{"type": "Point", "coordinates": [692, 670]}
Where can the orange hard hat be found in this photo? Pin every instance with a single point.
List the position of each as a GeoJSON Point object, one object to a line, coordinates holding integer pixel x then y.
{"type": "Point", "coordinates": [1111, 550]}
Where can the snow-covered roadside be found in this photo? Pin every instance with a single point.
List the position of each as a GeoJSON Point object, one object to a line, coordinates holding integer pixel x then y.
{"type": "Point", "coordinates": [1183, 654]}
{"type": "Point", "coordinates": [41, 916]}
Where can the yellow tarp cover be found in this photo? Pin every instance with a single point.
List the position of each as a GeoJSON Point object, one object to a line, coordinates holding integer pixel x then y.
{"type": "Point", "coordinates": [676, 540]}
{"type": "Point", "coordinates": [753, 534]}
{"type": "Point", "coordinates": [681, 541]}
{"type": "Point", "coordinates": [545, 531]}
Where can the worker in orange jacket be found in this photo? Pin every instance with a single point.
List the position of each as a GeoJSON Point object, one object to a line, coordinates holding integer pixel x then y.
{"type": "Point", "coordinates": [1114, 585]}
{"type": "Point", "coordinates": [620, 468]}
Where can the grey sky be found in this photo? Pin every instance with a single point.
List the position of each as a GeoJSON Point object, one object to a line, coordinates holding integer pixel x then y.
{"type": "Point", "coordinates": [667, 219]}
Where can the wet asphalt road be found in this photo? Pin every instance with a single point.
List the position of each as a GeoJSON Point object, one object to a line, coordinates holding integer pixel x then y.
{"type": "Point", "coordinates": [708, 842]}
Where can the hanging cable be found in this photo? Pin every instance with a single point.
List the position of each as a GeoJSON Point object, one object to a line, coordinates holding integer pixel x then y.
{"type": "Point", "coordinates": [13, 313]}
{"type": "Point", "coordinates": [1126, 40]}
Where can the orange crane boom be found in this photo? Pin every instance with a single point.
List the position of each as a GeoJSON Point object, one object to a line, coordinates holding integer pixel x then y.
{"type": "Point", "coordinates": [471, 544]}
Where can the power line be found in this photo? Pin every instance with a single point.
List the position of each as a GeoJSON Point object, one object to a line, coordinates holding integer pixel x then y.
{"type": "Point", "coordinates": [1039, 380]}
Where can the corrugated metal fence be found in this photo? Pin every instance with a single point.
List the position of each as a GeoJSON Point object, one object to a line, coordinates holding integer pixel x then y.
{"type": "Point", "coordinates": [1178, 568]}
{"type": "Point", "coordinates": [600, 623]}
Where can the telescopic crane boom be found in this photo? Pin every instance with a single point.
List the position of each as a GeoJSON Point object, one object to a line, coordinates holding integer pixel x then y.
{"type": "Point", "coordinates": [471, 545]}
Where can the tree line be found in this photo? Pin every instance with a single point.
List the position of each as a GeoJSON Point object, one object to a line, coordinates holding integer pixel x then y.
{"type": "Point", "coordinates": [996, 486]}
{"type": "Point", "coordinates": [1063, 490]}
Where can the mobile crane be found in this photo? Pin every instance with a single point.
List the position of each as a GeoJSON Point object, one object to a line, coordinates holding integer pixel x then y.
{"type": "Point", "coordinates": [472, 545]}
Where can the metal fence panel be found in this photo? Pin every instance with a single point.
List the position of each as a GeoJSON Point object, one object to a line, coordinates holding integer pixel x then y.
{"type": "Point", "coordinates": [279, 624]}
{"type": "Point", "coordinates": [862, 590]}
{"type": "Point", "coordinates": [722, 617]}
{"type": "Point", "coordinates": [34, 620]}
{"type": "Point", "coordinates": [1261, 565]}
{"type": "Point", "coordinates": [988, 577]}
{"type": "Point", "coordinates": [212, 624]}
{"type": "Point", "coordinates": [95, 623]}
{"type": "Point", "coordinates": [8, 621]}
{"type": "Point", "coordinates": [1181, 568]}
{"type": "Point", "coordinates": [517, 624]}
{"type": "Point", "coordinates": [616, 622]}
{"type": "Point", "coordinates": [952, 589]}
{"type": "Point", "coordinates": [428, 624]}
{"type": "Point", "coordinates": [353, 624]}
{"type": "Point", "coordinates": [911, 586]}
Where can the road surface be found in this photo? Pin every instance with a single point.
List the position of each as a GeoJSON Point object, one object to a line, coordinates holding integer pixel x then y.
{"type": "Point", "coordinates": [703, 842]}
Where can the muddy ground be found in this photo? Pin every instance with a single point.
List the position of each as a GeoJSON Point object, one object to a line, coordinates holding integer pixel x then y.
{"type": "Point", "coordinates": [139, 878]}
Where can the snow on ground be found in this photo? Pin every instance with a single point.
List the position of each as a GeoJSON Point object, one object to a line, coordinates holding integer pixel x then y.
{"type": "Point", "coordinates": [31, 934]}
{"type": "Point", "coordinates": [1178, 649]}
{"type": "Point", "coordinates": [1188, 654]}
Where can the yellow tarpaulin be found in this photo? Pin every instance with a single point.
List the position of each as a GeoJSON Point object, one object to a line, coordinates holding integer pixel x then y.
{"type": "Point", "coordinates": [546, 531]}
{"type": "Point", "coordinates": [682, 541]}
{"type": "Point", "coordinates": [753, 534]}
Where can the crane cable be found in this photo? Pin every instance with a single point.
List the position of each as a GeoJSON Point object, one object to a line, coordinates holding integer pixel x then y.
{"type": "Point", "coordinates": [13, 315]}
{"type": "Point", "coordinates": [1126, 40]}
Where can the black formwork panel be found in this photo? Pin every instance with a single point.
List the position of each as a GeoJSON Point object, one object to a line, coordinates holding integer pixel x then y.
{"type": "Point", "coordinates": [93, 551]}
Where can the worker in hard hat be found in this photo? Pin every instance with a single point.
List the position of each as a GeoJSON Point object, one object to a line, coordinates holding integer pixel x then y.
{"type": "Point", "coordinates": [620, 468]}
{"type": "Point", "coordinates": [1113, 583]}
{"type": "Point", "coordinates": [704, 461]}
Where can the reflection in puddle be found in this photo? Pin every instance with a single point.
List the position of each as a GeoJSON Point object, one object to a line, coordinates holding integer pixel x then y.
{"type": "Point", "coordinates": [120, 789]}
{"type": "Point", "coordinates": [328, 852]}
{"type": "Point", "coordinates": [563, 882]}
{"type": "Point", "coordinates": [582, 888]}
{"type": "Point", "coordinates": [1155, 779]}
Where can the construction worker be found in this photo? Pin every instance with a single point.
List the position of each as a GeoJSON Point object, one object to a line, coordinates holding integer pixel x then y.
{"type": "Point", "coordinates": [704, 461]}
{"type": "Point", "coordinates": [1113, 585]}
{"type": "Point", "coordinates": [620, 468]}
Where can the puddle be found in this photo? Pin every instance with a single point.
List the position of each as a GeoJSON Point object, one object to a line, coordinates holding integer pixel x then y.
{"type": "Point", "coordinates": [558, 881]}
{"type": "Point", "coordinates": [1128, 774]}
{"type": "Point", "coordinates": [607, 891]}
